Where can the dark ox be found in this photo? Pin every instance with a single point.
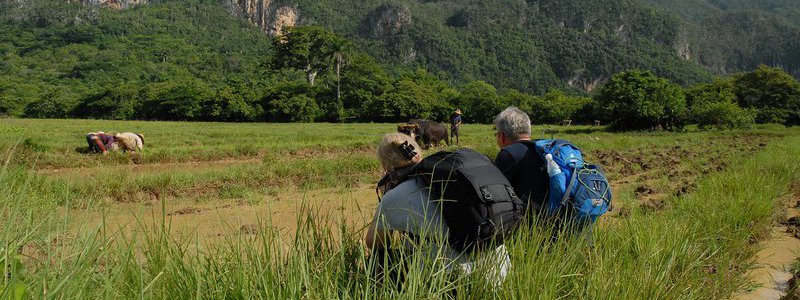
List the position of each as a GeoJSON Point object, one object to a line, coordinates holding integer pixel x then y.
{"type": "Point", "coordinates": [427, 133]}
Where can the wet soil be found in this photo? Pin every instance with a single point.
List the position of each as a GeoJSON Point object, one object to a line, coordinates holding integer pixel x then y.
{"type": "Point", "coordinates": [657, 173]}
{"type": "Point", "coordinates": [145, 168]}
{"type": "Point", "coordinates": [209, 223]}
{"type": "Point", "coordinates": [772, 276]}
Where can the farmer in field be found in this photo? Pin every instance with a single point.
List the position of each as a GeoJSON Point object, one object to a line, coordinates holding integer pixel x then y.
{"type": "Point", "coordinates": [455, 123]}
{"type": "Point", "coordinates": [518, 159]}
{"type": "Point", "coordinates": [130, 142]}
{"type": "Point", "coordinates": [406, 208]}
{"type": "Point", "coordinates": [100, 142]}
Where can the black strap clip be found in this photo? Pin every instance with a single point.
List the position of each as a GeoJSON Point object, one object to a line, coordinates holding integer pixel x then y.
{"type": "Point", "coordinates": [408, 150]}
{"type": "Point", "coordinates": [486, 194]}
{"type": "Point", "coordinates": [511, 192]}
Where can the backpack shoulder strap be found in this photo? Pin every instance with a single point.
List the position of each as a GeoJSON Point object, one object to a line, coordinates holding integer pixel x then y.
{"type": "Point", "coordinates": [571, 184]}
{"type": "Point", "coordinates": [534, 145]}
{"type": "Point", "coordinates": [393, 179]}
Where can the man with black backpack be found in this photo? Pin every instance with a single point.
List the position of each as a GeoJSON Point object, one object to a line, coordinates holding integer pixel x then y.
{"type": "Point", "coordinates": [456, 205]}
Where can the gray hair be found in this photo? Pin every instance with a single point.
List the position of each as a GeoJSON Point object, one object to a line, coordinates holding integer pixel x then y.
{"type": "Point", "coordinates": [513, 122]}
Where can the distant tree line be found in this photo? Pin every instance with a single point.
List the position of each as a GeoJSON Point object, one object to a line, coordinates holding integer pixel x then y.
{"type": "Point", "coordinates": [641, 100]}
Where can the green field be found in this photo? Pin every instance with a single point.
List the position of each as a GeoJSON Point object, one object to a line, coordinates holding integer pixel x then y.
{"type": "Point", "coordinates": [221, 210]}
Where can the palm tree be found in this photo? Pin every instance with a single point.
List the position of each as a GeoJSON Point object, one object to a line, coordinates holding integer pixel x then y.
{"type": "Point", "coordinates": [339, 53]}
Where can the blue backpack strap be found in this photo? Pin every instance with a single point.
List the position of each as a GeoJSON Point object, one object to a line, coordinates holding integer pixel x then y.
{"type": "Point", "coordinates": [571, 184]}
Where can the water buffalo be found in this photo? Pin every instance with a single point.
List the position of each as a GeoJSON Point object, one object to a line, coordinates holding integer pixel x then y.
{"type": "Point", "coordinates": [427, 133]}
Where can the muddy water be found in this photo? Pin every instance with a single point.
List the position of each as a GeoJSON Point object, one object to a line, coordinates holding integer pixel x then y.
{"type": "Point", "coordinates": [772, 271]}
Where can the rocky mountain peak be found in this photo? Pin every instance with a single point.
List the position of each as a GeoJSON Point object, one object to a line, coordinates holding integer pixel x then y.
{"type": "Point", "coordinates": [271, 16]}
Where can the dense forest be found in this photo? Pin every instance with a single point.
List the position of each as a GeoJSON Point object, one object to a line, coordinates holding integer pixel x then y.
{"type": "Point", "coordinates": [387, 60]}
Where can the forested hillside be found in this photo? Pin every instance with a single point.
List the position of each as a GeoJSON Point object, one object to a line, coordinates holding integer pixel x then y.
{"type": "Point", "coordinates": [737, 35]}
{"type": "Point", "coordinates": [215, 59]}
{"type": "Point", "coordinates": [531, 46]}
{"type": "Point", "coordinates": [539, 44]}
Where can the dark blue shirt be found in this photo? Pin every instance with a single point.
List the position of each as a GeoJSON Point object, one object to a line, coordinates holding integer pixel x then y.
{"type": "Point", "coordinates": [526, 171]}
{"type": "Point", "coordinates": [455, 119]}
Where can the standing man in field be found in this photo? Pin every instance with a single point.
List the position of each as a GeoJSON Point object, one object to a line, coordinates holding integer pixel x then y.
{"type": "Point", "coordinates": [519, 161]}
{"type": "Point", "coordinates": [455, 122]}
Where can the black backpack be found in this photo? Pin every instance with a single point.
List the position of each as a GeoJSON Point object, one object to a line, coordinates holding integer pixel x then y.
{"type": "Point", "coordinates": [477, 201]}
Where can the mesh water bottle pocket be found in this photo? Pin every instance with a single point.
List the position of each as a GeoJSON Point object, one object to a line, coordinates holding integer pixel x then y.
{"type": "Point", "coordinates": [592, 194]}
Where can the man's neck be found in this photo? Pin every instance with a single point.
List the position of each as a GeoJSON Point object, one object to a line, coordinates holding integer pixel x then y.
{"type": "Point", "coordinates": [523, 138]}
{"type": "Point", "coordinates": [519, 139]}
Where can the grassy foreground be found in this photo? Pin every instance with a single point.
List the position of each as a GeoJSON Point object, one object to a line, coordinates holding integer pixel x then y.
{"type": "Point", "coordinates": [697, 247]}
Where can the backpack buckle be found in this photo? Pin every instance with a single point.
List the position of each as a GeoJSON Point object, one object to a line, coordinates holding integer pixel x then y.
{"type": "Point", "coordinates": [511, 192]}
{"type": "Point", "coordinates": [486, 194]}
{"type": "Point", "coordinates": [489, 224]}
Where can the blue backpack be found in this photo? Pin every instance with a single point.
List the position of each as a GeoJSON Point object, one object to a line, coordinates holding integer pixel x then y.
{"type": "Point", "coordinates": [580, 186]}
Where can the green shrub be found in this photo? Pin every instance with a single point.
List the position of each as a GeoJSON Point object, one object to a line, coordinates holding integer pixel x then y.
{"type": "Point", "coordinates": [636, 100]}
{"type": "Point", "coordinates": [56, 103]}
{"type": "Point", "coordinates": [723, 115]}
{"type": "Point", "coordinates": [772, 92]}
{"type": "Point", "coordinates": [299, 108]}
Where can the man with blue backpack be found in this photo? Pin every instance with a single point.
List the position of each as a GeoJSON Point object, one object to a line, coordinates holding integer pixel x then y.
{"type": "Point", "coordinates": [550, 176]}
{"type": "Point", "coordinates": [523, 167]}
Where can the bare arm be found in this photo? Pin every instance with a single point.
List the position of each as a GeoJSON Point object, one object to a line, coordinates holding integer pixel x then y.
{"type": "Point", "coordinates": [375, 238]}
{"type": "Point", "coordinates": [100, 144]}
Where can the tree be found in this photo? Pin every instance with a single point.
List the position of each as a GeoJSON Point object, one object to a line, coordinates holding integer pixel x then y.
{"type": "Point", "coordinates": [291, 101]}
{"type": "Point", "coordinates": [772, 92]}
{"type": "Point", "coordinates": [298, 108]}
{"type": "Point", "coordinates": [713, 105]}
{"type": "Point", "coordinates": [525, 102]}
{"type": "Point", "coordinates": [57, 102]}
{"type": "Point", "coordinates": [119, 102]}
{"type": "Point", "coordinates": [310, 49]}
{"type": "Point", "coordinates": [557, 106]}
{"type": "Point", "coordinates": [640, 100]}
{"type": "Point", "coordinates": [228, 105]}
{"type": "Point", "coordinates": [479, 101]}
{"type": "Point", "coordinates": [364, 81]}
{"type": "Point", "coordinates": [722, 115]}
{"type": "Point", "coordinates": [407, 99]}
{"type": "Point", "coordinates": [721, 90]}
{"type": "Point", "coordinates": [175, 101]}
{"type": "Point", "coordinates": [339, 55]}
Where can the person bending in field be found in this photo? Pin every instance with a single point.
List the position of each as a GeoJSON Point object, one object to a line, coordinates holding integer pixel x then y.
{"type": "Point", "coordinates": [100, 142]}
{"type": "Point", "coordinates": [130, 142]}
{"type": "Point", "coordinates": [406, 208]}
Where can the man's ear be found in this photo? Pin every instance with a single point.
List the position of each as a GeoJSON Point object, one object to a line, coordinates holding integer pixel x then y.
{"type": "Point", "coordinates": [503, 138]}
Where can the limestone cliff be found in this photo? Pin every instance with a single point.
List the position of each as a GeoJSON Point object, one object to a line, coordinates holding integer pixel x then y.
{"type": "Point", "coordinates": [584, 82]}
{"type": "Point", "coordinates": [387, 20]}
{"type": "Point", "coordinates": [681, 46]}
{"type": "Point", "coordinates": [113, 4]}
{"type": "Point", "coordinates": [269, 15]}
